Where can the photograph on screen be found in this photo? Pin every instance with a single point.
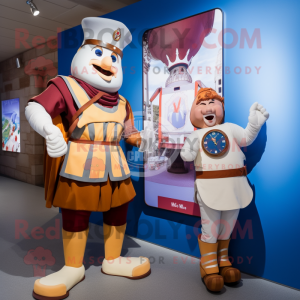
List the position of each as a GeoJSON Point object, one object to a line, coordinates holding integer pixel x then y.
{"type": "Point", "coordinates": [178, 59]}
{"type": "Point", "coordinates": [10, 110]}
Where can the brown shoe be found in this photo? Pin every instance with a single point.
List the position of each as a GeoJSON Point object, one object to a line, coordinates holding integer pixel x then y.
{"type": "Point", "coordinates": [230, 275]}
{"type": "Point", "coordinates": [209, 268]}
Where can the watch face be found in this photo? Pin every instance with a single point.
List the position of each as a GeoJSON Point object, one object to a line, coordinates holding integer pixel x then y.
{"type": "Point", "coordinates": [215, 143]}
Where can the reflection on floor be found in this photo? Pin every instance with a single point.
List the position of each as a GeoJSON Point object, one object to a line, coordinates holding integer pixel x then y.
{"type": "Point", "coordinates": [26, 224]}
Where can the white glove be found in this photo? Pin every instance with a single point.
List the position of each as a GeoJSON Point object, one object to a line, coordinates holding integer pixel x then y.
{"type": "Point", "coordinates": [191, 147]}
{"type": "Point", "coordinates": [148, 139]}
{"type": "Point", "coordinates": [258, 115]}
{"type": "Point", "coordinates": [55, 142]}
{"type": "Point", "coordinates": [37, 117]}
{"type": "Point", "coordinates": [41, 122]}
{"type": "Point", "coordinates": [257, 118]}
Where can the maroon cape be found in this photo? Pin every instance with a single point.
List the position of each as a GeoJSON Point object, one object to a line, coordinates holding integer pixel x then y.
{"type": "Point", "coordinates": [57, 99]}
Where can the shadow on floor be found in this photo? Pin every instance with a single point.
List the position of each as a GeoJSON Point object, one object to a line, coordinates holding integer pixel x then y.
{"type": "Point", "coordinates": [41, 254]}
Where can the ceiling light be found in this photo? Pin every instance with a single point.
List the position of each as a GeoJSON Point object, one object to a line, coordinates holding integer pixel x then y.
{"type": "Point", "coordinates": [18, 63]}
{"type": "Point", "coordinates": [33, 8]}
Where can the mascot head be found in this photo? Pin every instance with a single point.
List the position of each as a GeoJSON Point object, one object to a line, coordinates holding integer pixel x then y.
{"type": "Point", "coordinates": [98, 61]}
{"type": "Point", "coordinates": [207, 109]}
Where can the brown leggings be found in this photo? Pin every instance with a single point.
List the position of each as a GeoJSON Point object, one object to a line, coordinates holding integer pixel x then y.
{"type": "Point", "coordinates": [78, 220]}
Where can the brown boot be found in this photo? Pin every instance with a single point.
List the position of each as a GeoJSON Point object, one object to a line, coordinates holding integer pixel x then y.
{"type": "Point", "coordinates": [209, 266]}
{"type": "Point", "coordinates": [231, 275]}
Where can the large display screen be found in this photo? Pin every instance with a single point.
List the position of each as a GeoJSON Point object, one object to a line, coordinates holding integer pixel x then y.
{"type": "Point", "coordinates": [11, 125]}
{"type": "Point", "coordinates": [178, 59]}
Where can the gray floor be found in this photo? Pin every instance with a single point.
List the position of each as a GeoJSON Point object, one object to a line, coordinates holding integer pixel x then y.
{"type": "Point", "coordinates": [174, 275]}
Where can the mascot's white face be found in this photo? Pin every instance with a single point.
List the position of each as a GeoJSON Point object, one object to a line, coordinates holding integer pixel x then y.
{"type": "Point", "coordinates": [99, 67]}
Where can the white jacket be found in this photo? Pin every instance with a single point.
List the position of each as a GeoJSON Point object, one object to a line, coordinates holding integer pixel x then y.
{"type": "Point", "coordinates": [222, 193]}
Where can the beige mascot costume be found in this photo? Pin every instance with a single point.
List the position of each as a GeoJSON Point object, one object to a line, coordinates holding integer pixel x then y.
{"type": "Point", "coordinates": [82, 118]}
{"type": "Point", "coordinates": [221, 187]}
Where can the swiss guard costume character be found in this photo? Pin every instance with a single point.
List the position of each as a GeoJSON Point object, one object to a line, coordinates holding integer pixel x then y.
{"type": "Point", "coordinates": [221, 186]}
{"type": "Point", "coordinates": [82, 118]}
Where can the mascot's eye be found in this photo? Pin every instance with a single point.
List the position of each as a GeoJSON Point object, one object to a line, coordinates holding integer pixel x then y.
{"type": "Point", "coordinates": [98, 52]}
{"type": "Point", "coordinates": [113, 57]}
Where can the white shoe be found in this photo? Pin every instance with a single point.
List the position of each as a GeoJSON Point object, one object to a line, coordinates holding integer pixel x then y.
{"type": "Point", "coordinates": [129, 267]}
{"type": "Point", "coordinates": [57, 285]}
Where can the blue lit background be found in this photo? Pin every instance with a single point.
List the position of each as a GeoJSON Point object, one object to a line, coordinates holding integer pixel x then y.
{"type": "Point", "coordinates": [272, 159]}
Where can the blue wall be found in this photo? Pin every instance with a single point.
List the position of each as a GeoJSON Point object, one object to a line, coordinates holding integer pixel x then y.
{"type": "Point", "coordinates": [272, 238]}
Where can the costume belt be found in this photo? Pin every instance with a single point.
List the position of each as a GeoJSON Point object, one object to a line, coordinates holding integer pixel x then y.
{"type": "Point", "coordinates": [115, 143]}
{"type": "Point", "coordinates": [221, 173]}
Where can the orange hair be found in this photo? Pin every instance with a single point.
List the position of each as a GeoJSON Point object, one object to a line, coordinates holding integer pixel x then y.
{"type": "Point", "coordinates": [207, 94]}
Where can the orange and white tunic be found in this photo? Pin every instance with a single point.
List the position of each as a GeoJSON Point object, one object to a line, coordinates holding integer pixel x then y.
{"type": "Point", "coordinates": [88, 159]}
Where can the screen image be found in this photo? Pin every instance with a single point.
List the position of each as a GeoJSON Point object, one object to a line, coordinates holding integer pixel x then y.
{"type": "Point", "coordinates": [178, 59]}
{"type": "Point", "coordinates": [11, 125]}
